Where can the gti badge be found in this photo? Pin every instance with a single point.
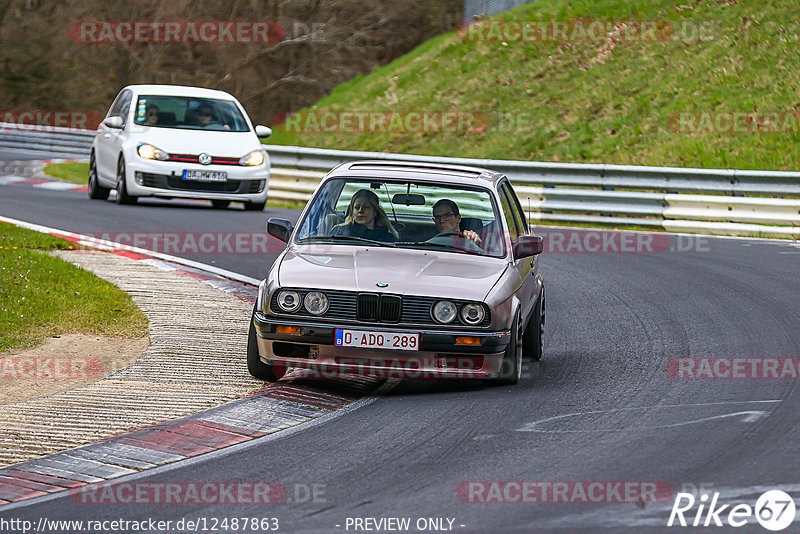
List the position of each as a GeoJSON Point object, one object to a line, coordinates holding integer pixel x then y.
{"type": "Point", "coordinates": [204, 159]}
{"type": "Point", "coordinates": [382, 284]}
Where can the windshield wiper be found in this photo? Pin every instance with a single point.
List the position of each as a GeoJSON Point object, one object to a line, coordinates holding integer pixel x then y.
{"type": "Point", "coordinates": [346, 238]}
{"type": "Point", "coordinates": [439, 245]}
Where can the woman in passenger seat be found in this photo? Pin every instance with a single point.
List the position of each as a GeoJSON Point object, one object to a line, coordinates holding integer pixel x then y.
{"type": "Point", "coordinates": [365, 218]}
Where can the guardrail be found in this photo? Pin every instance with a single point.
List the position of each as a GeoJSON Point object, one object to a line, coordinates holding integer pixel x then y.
{"type": "Point", "coordinates": [724, 202]}
{"type": "Point", "coordinates": [710, 201]}
{"type": "Point", "coordinates": [60, 141]}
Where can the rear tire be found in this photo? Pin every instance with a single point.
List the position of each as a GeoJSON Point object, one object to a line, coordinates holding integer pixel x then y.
{"type": "Point", "coordinates": [511, 371]}
{"type": "Point", "coordinates": [96, 191]}
{"type": "Point", "coordinates": [254, 206]}
{"type": "Point", "coordinates": [533, 338]}
{"type": "Point", "coordinates": [257, 368]}
{"type": "Point", "coordinates": [122, 188]}
{"type": "Point", "coordinates": [220, 204]}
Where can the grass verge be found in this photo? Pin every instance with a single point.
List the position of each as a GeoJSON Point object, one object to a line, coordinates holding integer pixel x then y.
{"type": "Point", "coordinates": [77, 173]}
{"type": "Point", "coordinates": [41, 295]}
{"type": "Point", "coordinates": [593, 100]}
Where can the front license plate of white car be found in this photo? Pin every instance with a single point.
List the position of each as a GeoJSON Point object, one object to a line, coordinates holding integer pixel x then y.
{"type": "Point", "coordinates": [205, 176]}
{"type": "Point", "coordinates": [366, 339]}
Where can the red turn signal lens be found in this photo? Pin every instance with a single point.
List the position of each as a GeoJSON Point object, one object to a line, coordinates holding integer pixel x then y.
{"type": "Point", "coordinates": [463, 340]}
{"type": "Point", "coordinates": [291, 330]}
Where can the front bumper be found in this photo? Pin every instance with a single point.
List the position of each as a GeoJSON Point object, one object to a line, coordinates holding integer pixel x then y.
{"type": "Point", "coordinates": [438, 355]}
{"type": "Point", "coordinates": [164, 179]}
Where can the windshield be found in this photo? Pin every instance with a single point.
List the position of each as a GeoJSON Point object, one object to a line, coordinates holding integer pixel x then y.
{"type": "Point", "coordinates": [189, 113]}
{"type": "Point", "coordinates": [404, 214]}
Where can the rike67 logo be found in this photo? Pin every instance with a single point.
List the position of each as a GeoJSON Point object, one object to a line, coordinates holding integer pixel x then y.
{"type": "Point", "coordinates": [774, 510]}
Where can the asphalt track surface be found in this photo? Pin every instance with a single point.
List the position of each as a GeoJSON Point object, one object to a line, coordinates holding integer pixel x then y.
{"type": "Point", "coordinates": [601, 406]}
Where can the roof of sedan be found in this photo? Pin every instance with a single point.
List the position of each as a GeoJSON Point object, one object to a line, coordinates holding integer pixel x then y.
{"type": "Point", "coordinates": [417, 170]}
{"type": "Point", "coordinates": [180, 90]}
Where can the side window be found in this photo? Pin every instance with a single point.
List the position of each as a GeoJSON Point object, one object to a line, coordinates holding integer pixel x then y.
{"type": "Point", "coordinates": [508, 213]}
{"type": "Point", "coordinates": [125, 106]}
{"type": "Point", "coordinates": [115, 107]}
{"type": "Point", "coordinates": [522, 219]}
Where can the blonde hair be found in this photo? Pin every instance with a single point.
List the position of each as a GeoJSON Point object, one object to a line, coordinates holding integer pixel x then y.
{"type": "Point", "coordinates": [381, 219]}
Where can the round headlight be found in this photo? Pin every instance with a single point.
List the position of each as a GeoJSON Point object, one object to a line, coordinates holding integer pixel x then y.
{"type": "Point", "coordinates": [316, 303]}
{"type": "Point", "coordinates": [289, 301]}
{"type": "Point", "coordinates": [472, 313]}
{"type": "Point", "coordinates": [444, 311]}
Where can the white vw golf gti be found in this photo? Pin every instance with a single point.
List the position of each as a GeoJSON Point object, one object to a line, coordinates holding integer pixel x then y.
{"type": "Point", "coordinates": [171, 141]}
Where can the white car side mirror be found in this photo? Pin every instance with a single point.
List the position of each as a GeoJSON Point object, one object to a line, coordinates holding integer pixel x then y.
{"type": "Point", "coordinates": [263, 131]}
{"type": "Point", "coordinates": [113, 122]}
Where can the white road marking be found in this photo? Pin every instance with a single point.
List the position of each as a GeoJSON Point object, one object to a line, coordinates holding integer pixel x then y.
{"type": "Point", "coordinates": [748, 416]}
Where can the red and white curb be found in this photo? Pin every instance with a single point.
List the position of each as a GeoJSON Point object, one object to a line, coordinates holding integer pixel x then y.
{"type": "Point", "coordinates": [277, 407]}
{"type": "Point", "coordinates": [274, 408]}
{"type": "Point", "coordinates": [56, 185]}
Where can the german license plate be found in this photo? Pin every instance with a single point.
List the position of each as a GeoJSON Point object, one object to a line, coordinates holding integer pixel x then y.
{"type": "Point", "coordinates": [205, 176]}
{"type": "Point", "coordinates": [366, 339]}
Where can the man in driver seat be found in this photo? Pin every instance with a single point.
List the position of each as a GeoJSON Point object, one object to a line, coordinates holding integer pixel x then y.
{"type": "Point", "coordinates": [447, 218]}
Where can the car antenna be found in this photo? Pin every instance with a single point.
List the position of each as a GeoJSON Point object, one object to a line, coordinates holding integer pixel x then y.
{"type": "Point", "coordinates": [529, 210]}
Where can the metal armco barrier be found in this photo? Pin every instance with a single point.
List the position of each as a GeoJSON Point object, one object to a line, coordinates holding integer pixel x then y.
{"type": "Point", "coordinates": [709, 201]}
{"type": "Point", "coordinates": [60, 141]}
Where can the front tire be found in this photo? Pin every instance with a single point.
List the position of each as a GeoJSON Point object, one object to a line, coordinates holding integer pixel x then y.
{"type": "Point", "coordinates": [511, 371]}
{"type": "Point", "coordinates": [254, 206]}
{"type": "Point", "coordinates": [533, 338]}
{"type": "Point", "coordinates": [257, 368]}
{"type": "Point", "coordinates": [96, 191]}
{"type": "Point", "coordinates": [122, 187]}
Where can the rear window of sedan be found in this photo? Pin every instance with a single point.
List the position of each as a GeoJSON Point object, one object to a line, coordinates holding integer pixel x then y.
{"type": "Point", "coordinates": [189, 113]}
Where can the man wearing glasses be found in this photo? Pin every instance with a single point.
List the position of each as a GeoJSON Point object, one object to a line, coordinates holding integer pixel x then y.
{"type": "Point", "coordinates": [447, 218]}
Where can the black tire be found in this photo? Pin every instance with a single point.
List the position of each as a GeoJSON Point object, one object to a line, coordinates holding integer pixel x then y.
{"type": "Point", "coordinates": [122, 188]}
{"type": "Point", "coordinates": [254, 206]}
{"type": "Point", "coordinates": [255, 366]}
{"type": "Point", "coordinates": [533, 338]}
{"type": "Point", "coordinates": [220, 204]}
{"type": "Point", "coordinates": [96, 191]}
{"type": "Point", "coordinates": [511, 371]}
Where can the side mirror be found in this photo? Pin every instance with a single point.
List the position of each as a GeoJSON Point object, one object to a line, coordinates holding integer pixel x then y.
{"type": "Point", "coordinates": [280, 228]}
{"type": "Point", "coordinates": [263, 131]}
{"type": "Point", "coordinates": [113, 122]}
{"type": "Point", "coordinates": [528, 245]}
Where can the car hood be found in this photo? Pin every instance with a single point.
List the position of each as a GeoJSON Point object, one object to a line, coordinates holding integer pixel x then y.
{"type": "Point", "coordinates": [176, 141]}
{"type": "Point", "coordinates": [412, 272]}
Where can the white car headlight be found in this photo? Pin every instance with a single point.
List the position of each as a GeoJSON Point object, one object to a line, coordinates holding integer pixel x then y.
{"type": "Point", "coordinates": [253, 159]}
{"type": "Point", "coordinates": [289, 301]}
{"type": "Point", "coordinates": [316, 303]}
{"type": "Point", "coordinates": [472, 314]}
{"type": "Point", "coordinates": [147, 151]}
{"type": "Point", "coordinates": [444, 311]}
